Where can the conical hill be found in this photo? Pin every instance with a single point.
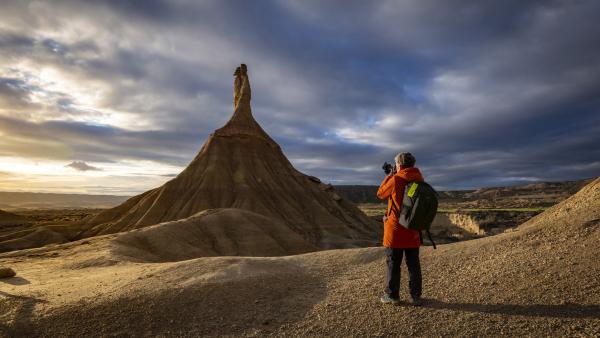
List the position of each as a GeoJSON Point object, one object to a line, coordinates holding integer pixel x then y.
{"type": "Point", "coordinates": [241, 167]}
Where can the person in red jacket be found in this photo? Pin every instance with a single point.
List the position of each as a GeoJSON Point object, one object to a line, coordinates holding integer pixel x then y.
{"type": "Point", "coordinates": [398, 240]}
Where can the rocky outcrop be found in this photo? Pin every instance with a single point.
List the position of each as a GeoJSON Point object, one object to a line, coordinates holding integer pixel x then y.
{"type": "Point", "coordinates": [450, 224]}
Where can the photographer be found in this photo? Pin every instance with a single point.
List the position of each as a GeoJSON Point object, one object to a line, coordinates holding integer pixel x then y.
{"type": "Point", "coordinates": [398, 240]}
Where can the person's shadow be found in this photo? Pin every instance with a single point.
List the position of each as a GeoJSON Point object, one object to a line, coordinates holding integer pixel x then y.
{"type": "Point", "coordinates": [21, 325]}
{"type": "Point", "coordinates": [15, 281]}
{"type": "Point", "coordinates": [568, 310]}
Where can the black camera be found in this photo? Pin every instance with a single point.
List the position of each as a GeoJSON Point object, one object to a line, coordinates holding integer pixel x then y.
{"type": "Point", "coordinates": [388, 168]}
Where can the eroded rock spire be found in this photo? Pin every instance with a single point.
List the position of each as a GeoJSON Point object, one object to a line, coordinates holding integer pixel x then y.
{"type": "Point", "coordinates": [242, 122]}
{"type": "Point", "coordinates": [241, 88]}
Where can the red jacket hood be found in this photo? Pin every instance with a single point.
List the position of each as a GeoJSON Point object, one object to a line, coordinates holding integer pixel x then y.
{"type": "Point", "coordinates": [410, 174]}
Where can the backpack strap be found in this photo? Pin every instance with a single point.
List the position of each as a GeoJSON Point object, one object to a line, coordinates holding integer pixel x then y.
{"type": "Point", "coordinates": [431, 239]}
{"type": "Point", "coordinates": [397, 210]}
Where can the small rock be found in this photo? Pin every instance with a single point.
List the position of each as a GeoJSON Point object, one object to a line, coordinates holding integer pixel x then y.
{"type": "Point", "coordinates": [7, 273]}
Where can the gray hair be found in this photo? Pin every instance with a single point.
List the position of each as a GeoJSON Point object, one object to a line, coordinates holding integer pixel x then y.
{"type": "Point", "coordinates": [398, 157]}
{"type": "Point", "coordinates": [405, 159]}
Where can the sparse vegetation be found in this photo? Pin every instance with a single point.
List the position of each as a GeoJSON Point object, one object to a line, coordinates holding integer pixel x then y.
{"type": "Point", "coordinates": [373, 209]}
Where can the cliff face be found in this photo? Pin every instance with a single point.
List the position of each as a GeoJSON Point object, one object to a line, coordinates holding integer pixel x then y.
{"type": "Point", "coordinates": [481, 222]}
{"type": "Point", "coordinates": [453, 223]}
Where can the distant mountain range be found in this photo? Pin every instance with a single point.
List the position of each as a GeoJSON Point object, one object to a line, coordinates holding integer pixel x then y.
{"type": "Point", "coordinates": [543, 194]}
{"type": "Point", "coordinates": [14, 201]}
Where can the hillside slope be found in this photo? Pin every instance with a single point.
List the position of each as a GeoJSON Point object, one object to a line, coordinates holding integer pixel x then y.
{"type": "Point", "coordinates": [8, 219]}
{"type": "Point", "coordinates": [215, 232]}
{"type": "Point", "coordinates": [541, 280]}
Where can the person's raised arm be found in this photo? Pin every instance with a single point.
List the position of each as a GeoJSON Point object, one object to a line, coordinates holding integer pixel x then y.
{"type": "Point", "coordinates": [386, 188]}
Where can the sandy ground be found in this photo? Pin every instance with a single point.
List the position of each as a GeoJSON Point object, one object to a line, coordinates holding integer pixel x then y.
{"type": "Point", "coordinates": [541, 280]}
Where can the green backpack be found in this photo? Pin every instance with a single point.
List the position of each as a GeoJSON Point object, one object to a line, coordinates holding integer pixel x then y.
{"type": "Point", "coordinates": [419, 206]}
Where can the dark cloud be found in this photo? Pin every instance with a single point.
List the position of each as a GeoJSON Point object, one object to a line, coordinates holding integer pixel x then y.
{"type": "Point", "coordinates": [483, 92]}
{"type": "Point", "coordinates": [14, 92]}
{"type": "Point", "coordinates": [82, 166]}
{"type": "Point", "coordinates": [13, 40]}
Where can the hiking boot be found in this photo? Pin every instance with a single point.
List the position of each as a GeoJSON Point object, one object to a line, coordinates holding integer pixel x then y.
{"type": "Point", "coordinates": [386, 299]}
{"type": "Point", "coordinates": [416, 301]}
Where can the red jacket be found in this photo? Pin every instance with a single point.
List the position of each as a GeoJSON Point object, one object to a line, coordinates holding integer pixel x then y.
{"type": "Point", "coordinates": [394, 234]}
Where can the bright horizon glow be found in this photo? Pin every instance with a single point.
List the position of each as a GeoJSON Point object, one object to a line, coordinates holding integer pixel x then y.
{"type": "Point", "coordinates": [131, 177]}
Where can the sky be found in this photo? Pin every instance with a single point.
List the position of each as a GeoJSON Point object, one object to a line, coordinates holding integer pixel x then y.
{"type": "Point", "coordinates": [117, 97]}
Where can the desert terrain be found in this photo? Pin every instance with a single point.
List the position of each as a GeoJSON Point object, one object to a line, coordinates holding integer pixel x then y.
{"type": "Point", "coordinates": [464, 214]}
{"type": "Point", "coordinates": [539, 280]}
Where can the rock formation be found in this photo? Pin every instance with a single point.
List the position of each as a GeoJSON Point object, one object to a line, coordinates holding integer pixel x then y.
{"type": "Point", "coordinates": [242, 167]}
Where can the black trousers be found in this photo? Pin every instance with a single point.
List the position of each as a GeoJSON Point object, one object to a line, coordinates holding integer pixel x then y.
{"type": "Point", "coordinates": [394, 261]}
